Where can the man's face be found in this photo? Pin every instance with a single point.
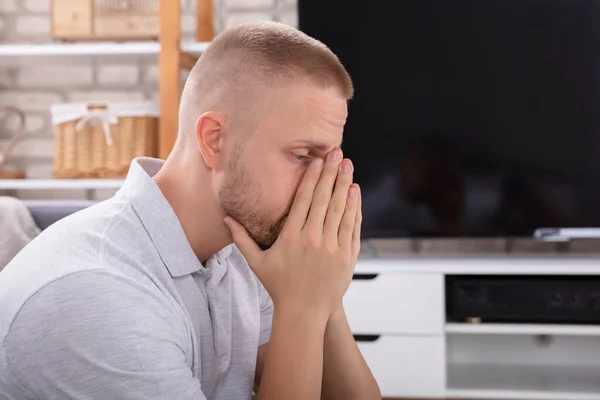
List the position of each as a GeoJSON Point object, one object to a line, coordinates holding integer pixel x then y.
{"type": "Point", "coordinates": [265, 170]}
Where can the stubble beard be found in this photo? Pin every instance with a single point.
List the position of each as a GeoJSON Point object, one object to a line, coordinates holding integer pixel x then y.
{"type": "Point", "coordinates": [241, 199]}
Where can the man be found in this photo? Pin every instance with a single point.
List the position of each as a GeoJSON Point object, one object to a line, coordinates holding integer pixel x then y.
{"type": "Point", "coordinates": [144, 296]}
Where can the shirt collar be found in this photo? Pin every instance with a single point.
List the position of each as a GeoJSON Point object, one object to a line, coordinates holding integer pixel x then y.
{"type": "Point", "coordinates": [159, 219]}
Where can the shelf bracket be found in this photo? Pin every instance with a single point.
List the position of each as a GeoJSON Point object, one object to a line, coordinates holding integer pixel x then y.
{"type": "Point", "coordinates": [205, 20]}
{"type": "Point", "coordinates": [187, 60]}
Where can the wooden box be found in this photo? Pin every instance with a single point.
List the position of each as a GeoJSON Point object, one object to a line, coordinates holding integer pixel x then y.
{"type": "Point", "coordinates": [105, 19]}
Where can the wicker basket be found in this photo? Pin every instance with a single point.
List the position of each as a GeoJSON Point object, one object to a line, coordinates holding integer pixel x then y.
{"type": "Point", "coordinates": [105, 19]}
{"type": "Point", "coordinates": [100, 141]}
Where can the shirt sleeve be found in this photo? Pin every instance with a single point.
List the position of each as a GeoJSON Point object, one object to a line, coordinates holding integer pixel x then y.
{"type": "Point", "coordinates": [266, 317]}
{"type": "Point", "coordinates": [97, 334]}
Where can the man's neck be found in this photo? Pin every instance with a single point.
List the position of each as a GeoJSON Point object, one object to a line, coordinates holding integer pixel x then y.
{"type": "Point", "coordinates": [198, 212]}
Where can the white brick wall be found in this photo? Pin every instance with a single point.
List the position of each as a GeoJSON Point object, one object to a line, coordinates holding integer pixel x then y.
{"type": "Point", "coordinates": [35, 88]}
{"type": "Point", "coordinates": [242, 17]}
{"type": "Point", "coordinates": [104, 95]}
{"type": "Point", "coordinates": [150, 73]}
{"type": "Point", "coordinates": [8, 6]}
{"type": "Point", "coordinates": [32, 148]}
{"type": "Point", "coordinates": [33, 26]}
{"type": "Point", "coordinates": [235, 4]}
{"type": "Point", "coordinates": [37, 6]}
{"type": "Point", "coordinates": [28, 101]}
{"type": "Point", "coordinates": [188, 24]}
{"type": "Point", "coordinates": [6, 78]}
{"type": "Point", "coordinates": [47, 76]}
{"type": "Point", "coordinates": [122, 75]}
{"type": "Point", "coordinates": [290, 17]}
{"type": "Point", "coordinates": [33, 124]}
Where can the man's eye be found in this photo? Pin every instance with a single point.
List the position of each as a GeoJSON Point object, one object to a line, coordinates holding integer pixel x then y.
{"type": "Point", "coordinates": [301, 157]}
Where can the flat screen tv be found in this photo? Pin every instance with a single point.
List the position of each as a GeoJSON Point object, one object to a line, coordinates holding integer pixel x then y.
{"type": "Point", "coordinates": [471, 118]}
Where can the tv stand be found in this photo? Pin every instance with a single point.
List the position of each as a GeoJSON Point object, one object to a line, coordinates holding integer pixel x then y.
{"type": "Point", "coordinates": [396, 309]}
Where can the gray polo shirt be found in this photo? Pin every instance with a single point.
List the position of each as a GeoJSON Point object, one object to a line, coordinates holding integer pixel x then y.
{"type": "Point", "coordinates": [112, 303]}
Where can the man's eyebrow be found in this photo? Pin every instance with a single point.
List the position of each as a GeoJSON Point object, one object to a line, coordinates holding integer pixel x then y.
{"type": "Point", "coordinates": [315, 144]}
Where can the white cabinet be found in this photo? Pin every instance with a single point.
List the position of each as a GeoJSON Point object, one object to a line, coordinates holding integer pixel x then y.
{"type": "Point", "coordinates": [406, 366]}
{"type": "Point", "coordinates": [398, 323]}
{"type": "Point", "coordinates": [396, 303]}
{"type": "Point", "coordinates": [396, 310]}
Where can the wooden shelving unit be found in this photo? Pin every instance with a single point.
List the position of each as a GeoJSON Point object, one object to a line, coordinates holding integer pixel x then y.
{"type": "Point", "coordinates": [172, 59]}
{"type": "Point", "coordinates": [169, 52]}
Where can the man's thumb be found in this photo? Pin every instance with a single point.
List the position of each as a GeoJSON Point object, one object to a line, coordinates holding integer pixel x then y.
{"type": "Point", "coordinates": [243, 241]}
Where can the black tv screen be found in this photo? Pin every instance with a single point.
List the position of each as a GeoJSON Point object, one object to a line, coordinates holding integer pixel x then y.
{"type": "Point", "coordinates": [470, 117]}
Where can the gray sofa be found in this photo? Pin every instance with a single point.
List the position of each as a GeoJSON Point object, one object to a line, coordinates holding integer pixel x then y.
{"type": "Point", "coordinates": [47, 212]}
{"type": "Point", "coordinates": [21, 221]}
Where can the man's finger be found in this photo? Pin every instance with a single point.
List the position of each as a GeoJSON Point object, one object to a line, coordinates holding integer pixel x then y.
{"type": "Point", "coordinates": [357, 225]}
{"type": "Point", "coordinates": [346, 230]}
{"type": "Point", "coordinates": [337, 205]}
{"type": "Point", "coordinates": [303, 198]}
{"type": "Point", "coordinates": [323, 192]}
{"type": "Point", "coordinates": [247, 246]}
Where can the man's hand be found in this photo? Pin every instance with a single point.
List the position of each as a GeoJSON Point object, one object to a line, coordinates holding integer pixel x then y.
{"type": "Point", "coordinates": [306, 272]}
{"type": "Point", "coordinates": [310, 266]}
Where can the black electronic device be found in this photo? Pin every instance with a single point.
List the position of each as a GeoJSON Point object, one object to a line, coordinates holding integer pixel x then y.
{"type": "Point", "coordinates": [470, 118]}
{"type": "Point", "coordinates": [523, 299]}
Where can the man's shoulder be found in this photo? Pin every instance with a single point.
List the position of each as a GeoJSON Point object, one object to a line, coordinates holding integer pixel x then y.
{"type": "Point", "coordinates": [82, 231]}
{"type": "Point", "coordinates": [89, 237]}
{"type": "Point", "coordinates": [69, 245]}
{"type": "Point", "coordinates": [95, 239]}
{"type": "Point", "coordinates": [16, 290]}
{"type": "Point", "coordinates": [117, 322]}
{"type": "Point", "coordinates": [92, 295]}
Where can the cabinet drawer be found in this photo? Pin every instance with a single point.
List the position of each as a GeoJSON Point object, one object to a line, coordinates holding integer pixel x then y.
{"type": "Point", "coordinates": [396, 303]}
{"type": "Point", "coordinates": [406, 366]}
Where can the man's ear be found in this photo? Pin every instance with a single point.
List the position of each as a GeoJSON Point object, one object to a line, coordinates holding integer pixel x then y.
{"type": "Point", "coordinates": [210, 130]}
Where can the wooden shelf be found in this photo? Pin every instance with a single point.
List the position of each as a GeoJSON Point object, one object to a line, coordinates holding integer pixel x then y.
{"type": "Point", "coordinates": [60, 53]}
{"type": "Point", "coordinates": [49, 184]}
{"type": "Point", "coordinates": [523, 329]}
{"type": "Point", "coordinates": [484, 381]}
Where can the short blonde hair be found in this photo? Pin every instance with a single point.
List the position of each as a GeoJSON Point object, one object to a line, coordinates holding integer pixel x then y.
{"type": "Point", "coordinates": [242, 62]}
